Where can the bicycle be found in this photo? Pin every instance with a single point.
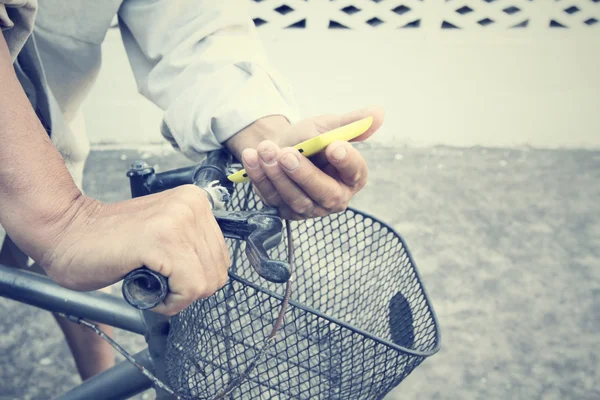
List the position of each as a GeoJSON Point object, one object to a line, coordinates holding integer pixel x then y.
{"type": "Point", "coordinates": [252, 339]}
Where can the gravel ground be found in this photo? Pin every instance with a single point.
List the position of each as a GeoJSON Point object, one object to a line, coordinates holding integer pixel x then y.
{"type": "Point", "coordinates": [508, 246]}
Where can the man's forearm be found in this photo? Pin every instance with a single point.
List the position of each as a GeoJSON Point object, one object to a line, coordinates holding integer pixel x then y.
{"type": "Point", "coordinates": [36, 190]}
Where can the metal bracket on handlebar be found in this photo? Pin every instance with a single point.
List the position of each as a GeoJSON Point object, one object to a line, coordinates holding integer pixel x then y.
{"type": "Point", "coordinates": [262, 231]}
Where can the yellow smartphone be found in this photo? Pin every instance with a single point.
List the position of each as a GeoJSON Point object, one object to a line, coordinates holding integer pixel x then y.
{"type": "Point", "coordinates": [319, 143]}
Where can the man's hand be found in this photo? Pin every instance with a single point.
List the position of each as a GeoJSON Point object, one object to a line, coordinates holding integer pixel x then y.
{"type": "Point", "coordinates": [173, 233]}
{"type": "Point", "coordinates": [300, 187]}
{"type": "Point", "coordinates": [84, 244]}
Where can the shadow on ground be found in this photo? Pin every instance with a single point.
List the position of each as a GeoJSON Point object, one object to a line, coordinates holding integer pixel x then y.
{"type": "Point", "coordinates": [508, 245]}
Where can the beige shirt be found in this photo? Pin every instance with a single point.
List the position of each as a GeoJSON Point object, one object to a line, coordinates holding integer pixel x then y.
{"type": "Point", "coordinates": [200, 61]}
{"type": "Point", "coordinates": [16, 21]}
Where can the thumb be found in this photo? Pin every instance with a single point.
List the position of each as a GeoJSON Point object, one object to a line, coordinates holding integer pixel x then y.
{"type": "Point", "coordinates": [376, 112]}
{"type": "Point", "coordinates": [317, 125]}
{"type": "Point", "coordinates": [325, 123]}
{"type": "Point", "coordinates": [311, 127]}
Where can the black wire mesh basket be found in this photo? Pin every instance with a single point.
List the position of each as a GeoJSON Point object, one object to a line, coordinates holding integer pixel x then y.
{"type": "Point", "coordinates": [358, 322]}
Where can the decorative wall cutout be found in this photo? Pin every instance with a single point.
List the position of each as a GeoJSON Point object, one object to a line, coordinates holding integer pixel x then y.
{"type": "Point", "coordinates": [277, 14]}
{"type": "Point", "coordinates": [570, 14]}
{"type": "Point", "coordinates": [431, 14]}
{"type": "Point", "coordinates": [376, 14]}
{"type": "Point", "coordinates": [496, 14]}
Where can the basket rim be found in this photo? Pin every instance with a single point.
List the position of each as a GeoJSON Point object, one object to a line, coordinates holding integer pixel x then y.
{"type": "Point", "coordinates": [346, 325]}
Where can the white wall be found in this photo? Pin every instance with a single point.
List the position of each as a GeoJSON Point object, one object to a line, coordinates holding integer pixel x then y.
{"type": "Point", "coordinates": [489, 86]}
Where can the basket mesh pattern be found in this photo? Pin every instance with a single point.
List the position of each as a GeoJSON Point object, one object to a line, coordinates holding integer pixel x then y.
{"type": "Point", "coordinates": [358, 323]}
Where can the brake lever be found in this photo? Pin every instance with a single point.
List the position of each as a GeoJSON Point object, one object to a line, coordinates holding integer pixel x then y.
{"type": "Point", "coordinates": [262, 230]}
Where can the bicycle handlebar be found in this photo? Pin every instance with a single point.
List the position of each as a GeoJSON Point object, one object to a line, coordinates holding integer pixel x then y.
{"type": "Point", "coordinates": [262, 230]}
{"type": "Point", "coordinates": [144, 288]}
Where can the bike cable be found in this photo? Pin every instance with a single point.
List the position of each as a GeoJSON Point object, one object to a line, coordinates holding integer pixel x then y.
{"type": "Point", "coordinates": [270, 339]}
{"type": "Point", "coordinates": [124, 353]}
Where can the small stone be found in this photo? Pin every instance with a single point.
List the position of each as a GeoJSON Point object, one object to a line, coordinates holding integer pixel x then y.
{"type": "Point", "coordinates": [45, 361]}
{"type": "Point", "coordinates": [123, 157]}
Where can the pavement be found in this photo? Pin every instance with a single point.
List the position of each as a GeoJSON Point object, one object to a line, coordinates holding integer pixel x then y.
{"type": "Point", "coordinates": [508, 245]}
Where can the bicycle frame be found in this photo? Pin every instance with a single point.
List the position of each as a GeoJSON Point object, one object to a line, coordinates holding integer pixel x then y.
{"type": "Point", "coordinates": [123, 380]}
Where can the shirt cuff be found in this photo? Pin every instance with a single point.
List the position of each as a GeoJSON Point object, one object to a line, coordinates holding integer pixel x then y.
{"type": "Point", "coordinates": [256, 93]}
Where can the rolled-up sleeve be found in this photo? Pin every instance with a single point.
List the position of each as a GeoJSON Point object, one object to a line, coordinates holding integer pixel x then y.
{"type": "Point", "coordinates": [16, 22]}
{"type": "Point", "coordinates": [202, 62]}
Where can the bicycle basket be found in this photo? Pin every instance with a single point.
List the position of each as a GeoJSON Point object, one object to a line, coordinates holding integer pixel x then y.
{"type": "Point", "coordinates": [359, 320]}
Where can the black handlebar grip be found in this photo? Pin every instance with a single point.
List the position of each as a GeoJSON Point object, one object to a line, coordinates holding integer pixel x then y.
{"type": "Point", "coordinates": [144, 288]}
